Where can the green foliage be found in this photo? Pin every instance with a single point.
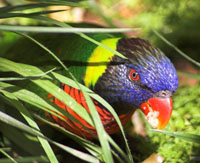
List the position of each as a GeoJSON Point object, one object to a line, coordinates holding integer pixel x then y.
{"type": "Point", "coordinates": [178, 20]}
{"type": "Point", "coordinates": [185, 119]}
{"type": "Point", "coordinates": [29, 72]}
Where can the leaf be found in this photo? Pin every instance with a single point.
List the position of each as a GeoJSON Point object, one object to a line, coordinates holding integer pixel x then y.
{"type": "Point", "coordinates": [94, 114]}
{"type": "Point", "coordinates": [64, 25]}
{"type": "Point", "coordinates": [83, 142]}
{"type": "Point", "coordinates": [21, 7]}
{"type": "Point", "coordinates": [27, 116]}
{"type": "Point", "coordinates": [15, 123]}
{"type": "Point", "coordinates": [8, 156]}
{"type": "Point", "coordinates": [27, 77]}
{"type": "Point", "coordinates": [62, 2]}
{"type": "Point", "coordinates": [175, 48]}
{"type": "Point", "coordinates": [70, 82]}
{"type": "Point", "coordinates": [40, 29]}
{"type": "Point", "coordinates": [28, 70]}
{"type": "Point", "coordinates": [189, 137]}
{"type": "Point", "coordinates": [27, 159]}
{"type": "Point", "coordinates": [11, 15]}
{"type": "Point", "coordinates": [96, 119]}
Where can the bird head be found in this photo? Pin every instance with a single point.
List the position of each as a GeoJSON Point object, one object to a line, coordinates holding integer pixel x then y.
{"type": "Point", "coordinates": [146, 79]}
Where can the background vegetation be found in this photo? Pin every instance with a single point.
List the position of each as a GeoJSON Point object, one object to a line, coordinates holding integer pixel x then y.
{"type": "Point", "coordinates": [177, 20]}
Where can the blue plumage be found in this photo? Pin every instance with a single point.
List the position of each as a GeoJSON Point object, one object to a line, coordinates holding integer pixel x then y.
{"type": "Point", "coordinates": [156, 73]}
{"type": "Point", "coordinates": [159, 75]}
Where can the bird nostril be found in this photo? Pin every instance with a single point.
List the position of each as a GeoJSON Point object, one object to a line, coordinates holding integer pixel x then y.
{"type": "Point", "coordinates": [164, 93]}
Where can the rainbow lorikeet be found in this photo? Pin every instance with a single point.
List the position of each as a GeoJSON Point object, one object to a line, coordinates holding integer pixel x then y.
{"type": "Point", "coordinates": [146, 79]}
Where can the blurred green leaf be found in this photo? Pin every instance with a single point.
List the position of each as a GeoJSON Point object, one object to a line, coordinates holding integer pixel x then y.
{"type": "Point", "coordinates": [72, 3]}
{"type": "Point", "coordinates": [185, 136]}
{"type": "Point", "coordinates": [176, 49]}
{"type": "Point", "coordinates": [27, 159]}
{"type": "Point", "coordinates": [40, 29]}
{"type": "Point", "coordinates": [7, 9]}
{"type": "Point", "coordinates": [8, 156]}
{"type": "Point", "coordinates": [11, 15]}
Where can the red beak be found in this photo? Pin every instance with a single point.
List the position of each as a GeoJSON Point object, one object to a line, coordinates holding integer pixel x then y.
{"type": "Point", "coordinates": [157, 111]}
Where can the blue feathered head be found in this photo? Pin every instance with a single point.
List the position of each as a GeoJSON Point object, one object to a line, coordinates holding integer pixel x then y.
{"type": "Point", "coordinates": [145, 78]}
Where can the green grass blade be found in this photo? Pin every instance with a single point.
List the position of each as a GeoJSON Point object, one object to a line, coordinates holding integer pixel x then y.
{"type": "Point", "coordinates": [70, 82]}
{"type": "Point", "coordinates": [8, 156]}
{"type": "Point", "coordinates": [86, 37]}
{"type": "Point", "coordinates": [11, 15]}
{"type": "Point", "coordinates": [101, 133]}
{"type": "Point", "coordinates": [32, 99]}
{"type": "Point", "coordinates": [61, 2]}
{"type": "Point", "coordinates": [88, 145]}
{"type": "Point", "coordinates": [128, 159]}
{"type": "Point", "coordinates": [176, 49]}
{"type": "Point", "coordinates": [64, 25]}
{"type": "Point", "coordinates": [94, 114]}
{"type": "Point", "coordinates": [27, 77]}
{"type": "Point", "coordinates": [27, 116]}
{"type": "Point", "coordinates": [32, 147]}
{"type": "Point", "coordinates": [97, 121]}
{"type": "Point", "coordinates": [15, 123]}
{"type": "Point", "coordinates": [189, 137]}
{"type": "Point", "coordinates": [27, 159]}
{"type": "Point", "coordinates": [46, 85]}
{"type": "Point", "coordinates": [7, 9]}
{"type": "Point", "coordinates": [40, 29]}
{"type": "Point", "coordinates": [79, 154]}
{"type": "Point", "coordinates": [37, 101]}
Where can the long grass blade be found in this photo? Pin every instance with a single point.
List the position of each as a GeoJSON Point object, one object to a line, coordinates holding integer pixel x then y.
{"type": "Point", "coordinates": [28, 77]}
{"type": "Point", "coordinates": [88, 38]}
{"type": "Point", "coordinates": [176, 49]}
{"type": "Point", "coordinates": [27, 116]}
{"type": "Point", "coordinates": [189, 137]}
{"type": "Point", "coordinates": [27, 160]}
{"type": "Point", "coordinates": [61, 2]}
{"type": "Point", "coordinates": [11, 15]}
{"type": "Point", "coordinates": [15, 123]}
{"type": "Point", "coordinates": [40, 29]}
{"type": "Point", "coordinates": [46, 85]}
{"type": "Point", "coordinates": [64, 25]}
{"type": "Point", "coordinates": [70, 82]}
{"type": "Point", "coordinates": [7, 9]}
{"type": "Point", "coordinates": [95, 116]}
{"type": "Point", "coordinates": [8, 156]}
{"type": "Point", "coordinates": [83, 142]}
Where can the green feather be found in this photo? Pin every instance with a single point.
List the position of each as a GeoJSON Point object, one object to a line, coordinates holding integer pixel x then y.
{"type": "Point", "coordinates": [73, 50]}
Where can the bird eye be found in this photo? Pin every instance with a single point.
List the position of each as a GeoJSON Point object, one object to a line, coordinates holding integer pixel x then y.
{"type": "Point", "coordinates": [133, 75]}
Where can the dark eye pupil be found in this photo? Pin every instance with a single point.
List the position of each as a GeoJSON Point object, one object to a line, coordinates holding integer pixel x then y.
{"type": "Point", "coordinates": [134, 75]}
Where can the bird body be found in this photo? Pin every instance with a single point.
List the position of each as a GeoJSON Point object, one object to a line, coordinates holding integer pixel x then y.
{"type": "Point", "coordinates": [144, 79]}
